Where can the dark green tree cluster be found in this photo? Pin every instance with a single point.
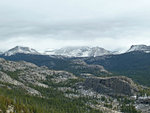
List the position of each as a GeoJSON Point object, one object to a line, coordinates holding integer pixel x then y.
{"type": "Point", "coordinates": [52, 102]}
{"type": "Point", "coordinates": [128, 109]}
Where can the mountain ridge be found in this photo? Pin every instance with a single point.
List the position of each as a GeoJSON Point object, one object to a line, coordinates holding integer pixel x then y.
{"type": "Point", "coordinates": [20, 49]}
{"type": "Point", "coordinates": [79, 51]}
{"type": "Point", "coordinates": [75, 51]}
{"type": "Point", "coordinates": [140, 47]}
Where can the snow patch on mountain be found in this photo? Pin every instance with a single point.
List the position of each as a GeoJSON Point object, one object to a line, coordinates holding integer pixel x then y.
{"type": "Point", "coordinates": [143, 48]}
{"type": "Point", "coordinates": [20, 49]}
{"type": "Point", "coordinates": [82, 51]}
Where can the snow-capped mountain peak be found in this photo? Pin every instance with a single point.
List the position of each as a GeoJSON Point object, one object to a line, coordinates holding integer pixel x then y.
{"type": "Point", "coordinates": [20, 49]}
{"type": "Point", "coordinates": [143, 48]}
{"type": "Point", "coordinates": [79, 51]}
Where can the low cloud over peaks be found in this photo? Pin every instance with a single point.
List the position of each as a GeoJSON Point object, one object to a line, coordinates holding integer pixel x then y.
{"type": "Point", "coordinates": [54, 24]}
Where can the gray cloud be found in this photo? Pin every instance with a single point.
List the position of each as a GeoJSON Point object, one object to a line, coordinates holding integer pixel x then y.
{"type": "Point", "coordinates": [114, 24]}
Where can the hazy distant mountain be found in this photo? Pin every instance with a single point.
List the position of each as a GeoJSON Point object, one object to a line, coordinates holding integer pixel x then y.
{"type": "Point", "coordinates": [82, 51]}
{"type": "Point", "coordinates": [143, 48]}
{"type": "Point", "coordinates": [19, 49]}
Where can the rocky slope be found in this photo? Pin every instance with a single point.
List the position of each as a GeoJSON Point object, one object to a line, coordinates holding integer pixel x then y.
{"type": "Point", "coordinates": [23, 73]}
{"type": "Point", "coordinates": [75, 66]}
{"type": "Point", "coordinates": [112, 85]}
{"type": "Point", "coordinates": [93, 93]}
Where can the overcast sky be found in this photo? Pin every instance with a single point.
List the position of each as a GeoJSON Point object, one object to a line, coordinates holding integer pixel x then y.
{"type": "Point", "coordinates": [43, 24]}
